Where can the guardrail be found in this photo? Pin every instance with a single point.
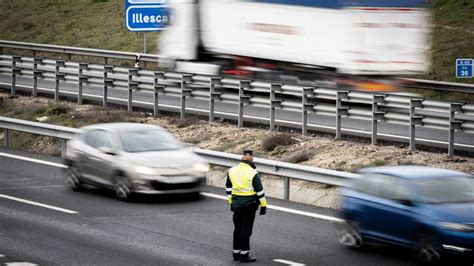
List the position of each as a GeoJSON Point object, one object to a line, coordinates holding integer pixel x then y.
{"type": "Point", "coordinates": [276, 168]}
{"type": "Point", "coordinates": [396, 109]}
{"type": "Point", "coordinates": [441, 86]}
{"type": "Point", "coordinates": [107, 54]}
{"type": "Point", "coordinates": [69, 50]}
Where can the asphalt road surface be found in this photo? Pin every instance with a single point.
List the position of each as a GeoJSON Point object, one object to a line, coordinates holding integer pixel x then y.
{"type": "Point", "coordinates": [350, 126]}
{"type": "Point", "coordinates": [43, 222]}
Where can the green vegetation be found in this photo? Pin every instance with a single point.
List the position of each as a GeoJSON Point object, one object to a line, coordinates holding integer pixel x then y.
{"type": "Point", "coordinates": [100, 24]}
{"type": "Point", "coordinates": [453, 37]}
{"type": "Point", "coordinates": [57, 113]}
{"type": "Point", "coordinates": [82, 23]}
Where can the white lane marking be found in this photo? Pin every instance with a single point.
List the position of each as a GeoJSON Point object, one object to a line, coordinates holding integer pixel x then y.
{"type": "Point", "coordinates": [13, 180]}
{"type": "Point", "coordinates": [20, 264]}
{"type": "Point", "coordinates": [289, 262]}
{"type": "Point", "coordinates": [13, 188]}
{"type": "Point", "coordinates": [38, 204]}
{"type": "Point", "coordinates": [32, 160]}
{"type": "Point", "coordinates": [309, 214]}
{"type": "Point", "coordinates": [283, 209]}
{"type": "Point", "coordinates": [255, 117]}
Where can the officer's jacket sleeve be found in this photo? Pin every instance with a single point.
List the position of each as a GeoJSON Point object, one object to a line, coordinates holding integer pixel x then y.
{"type": "Point", "coordinates": [228, 188]}
{"type": "Point", "coordinates": [258, 187]}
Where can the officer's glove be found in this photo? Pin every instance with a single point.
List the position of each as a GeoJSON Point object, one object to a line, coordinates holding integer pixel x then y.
{"type": "Point", "coordinates": [231, 208]}
{"type": "Point", "coordinates": [263, 210]}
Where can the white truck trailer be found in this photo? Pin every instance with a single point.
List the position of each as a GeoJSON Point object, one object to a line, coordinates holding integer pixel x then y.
{"type": "Point", "coordinates": [351, 38]}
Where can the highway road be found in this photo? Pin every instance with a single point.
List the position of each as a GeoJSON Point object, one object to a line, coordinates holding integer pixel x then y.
{"type": "Point", "coordinates": [43, 222]}
{"type": "Point", "coordinates": [432, 137]}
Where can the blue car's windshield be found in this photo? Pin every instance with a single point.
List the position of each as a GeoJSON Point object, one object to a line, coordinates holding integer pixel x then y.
{"type": "Point", "coordinates": [149, 140]}
{"type": "Point", "coordinates": [446, 190]}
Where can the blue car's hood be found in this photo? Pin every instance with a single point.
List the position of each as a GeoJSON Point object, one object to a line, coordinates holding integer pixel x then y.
{"type": "Point", "coordinates": [452, 212]}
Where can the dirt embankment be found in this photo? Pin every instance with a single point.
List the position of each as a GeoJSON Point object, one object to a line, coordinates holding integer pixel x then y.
{"type": "Point", "coordinates": [314, 150]}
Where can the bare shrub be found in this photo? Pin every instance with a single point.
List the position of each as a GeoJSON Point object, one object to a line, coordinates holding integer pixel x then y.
{"type": "Point", "coordinates": [182, 123]}
{"type": "Point", "coordinates": [282, 139]}
{"type": "Point", "coordinates": [299, 157]}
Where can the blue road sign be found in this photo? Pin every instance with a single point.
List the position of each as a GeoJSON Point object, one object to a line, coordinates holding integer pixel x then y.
{"type": "Point", "coordinates": [146, 15]}
{"type": "Point", "coordinates": [464, 68]}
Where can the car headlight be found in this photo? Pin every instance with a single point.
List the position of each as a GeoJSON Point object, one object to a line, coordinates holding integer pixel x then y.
{"type": "Point", "coordinates": [201, 167]}
{"type": "Point", "coordinates": [455, 226]}
{"type": "Point", "coordinates": [143, 170]}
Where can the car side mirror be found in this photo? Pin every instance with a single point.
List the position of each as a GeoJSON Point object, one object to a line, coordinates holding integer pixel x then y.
{"type": "Point", "coordinates": [107, 150]}
{"type": "Point", "coordinates": [406, 202]}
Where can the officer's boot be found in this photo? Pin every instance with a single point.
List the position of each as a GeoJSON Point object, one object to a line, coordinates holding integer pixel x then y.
{"type": "Point", "coordinates": [245, 258]}
{"type": "Point", "coordinates": [236, 255]}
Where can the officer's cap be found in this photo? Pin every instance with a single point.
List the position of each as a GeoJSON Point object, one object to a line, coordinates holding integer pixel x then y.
{"type": "Point", "coordinates": [248, 152]}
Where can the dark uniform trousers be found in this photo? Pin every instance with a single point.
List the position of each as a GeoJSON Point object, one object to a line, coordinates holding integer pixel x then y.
{"type": "Point", "coordinates": [243, 225]}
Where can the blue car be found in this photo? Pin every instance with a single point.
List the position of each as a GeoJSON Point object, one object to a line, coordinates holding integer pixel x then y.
{"type": "Point", "coordinates": [426, 208]}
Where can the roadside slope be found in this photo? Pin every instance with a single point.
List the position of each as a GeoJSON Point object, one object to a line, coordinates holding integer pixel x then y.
{"type": "Point", "coordinates": [314, 150]}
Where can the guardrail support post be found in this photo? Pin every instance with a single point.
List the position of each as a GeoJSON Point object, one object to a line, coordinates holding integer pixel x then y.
{"type": "Point", "coordinates": [157, 89]}
{"type": "Point", "coordinates": [106, 83]}
{"type": "Point", "coordinates": [15, 71]}
{"type": "Point", "coordinates": [132, 85]}
{"type": "Point", "coordinates": [274, 103]}
{"type": "Point", "coordinates": [213, 95]}
{"type": "Point", "coordinates": [81, 80]}
{"type": "Point", "coordinates": [453, 125]}
{"type": "Point", "coordinates": [376, 115]}
{"type": "Point", "coordinates": [63, 148]}
{"type": "Point", "coordinates": [36, 74]}
{"type": "Point", "coordinates": [59, 76]}
{"type": "Point", "coordinates": [185, 79]}
{"type": "Point", "coordinates": [243, 99]}
{"type": "Point", "coordinates": [340, 111]}
{"type": "Point", "coordinates": [6, 138]}
{"type": "Point", "coordinates": [286, 188]}
{"type": "Point", "coordinates": [305, 108]}
{"type": "Point", "coordinates": [414, 121]}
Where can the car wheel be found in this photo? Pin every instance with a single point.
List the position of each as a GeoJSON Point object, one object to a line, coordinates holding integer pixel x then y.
{"type": "Point", "coordinates": [73, 178]}
{"type": "Point", "coordinates": [122, 188]}
{"type": "Point", "coordinates": [428, 250]}
{"type": "Point", "coordinates": [350, 236]}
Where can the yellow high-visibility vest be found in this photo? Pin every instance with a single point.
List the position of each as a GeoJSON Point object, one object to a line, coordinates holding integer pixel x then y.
{"type": "Point", "coordinates": [241, 177]}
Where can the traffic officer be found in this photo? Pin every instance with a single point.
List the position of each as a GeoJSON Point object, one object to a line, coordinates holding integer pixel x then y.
{"type": "Point", "coordinates": [245, 193]}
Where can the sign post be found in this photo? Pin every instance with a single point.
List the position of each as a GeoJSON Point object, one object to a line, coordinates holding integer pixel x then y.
{"type": "Point", "coordinates": [146, 15]}
{"type": "Point", "coordinates": [464, 68]}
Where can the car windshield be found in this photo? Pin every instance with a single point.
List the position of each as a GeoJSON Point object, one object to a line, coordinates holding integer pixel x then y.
{"type": "Point", "coordinates": [148, 140]}
{"type": "Point", "coordinates": [446, 190]}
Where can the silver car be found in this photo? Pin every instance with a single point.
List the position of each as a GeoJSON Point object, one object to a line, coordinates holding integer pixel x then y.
{"type": "Point", "coordinates": [133, 158]}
